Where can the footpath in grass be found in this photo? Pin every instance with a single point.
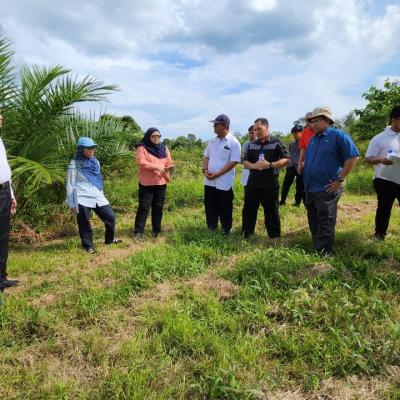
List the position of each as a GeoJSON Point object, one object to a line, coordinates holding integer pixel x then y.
{"type": "Point", "coordinates": [195, 315]}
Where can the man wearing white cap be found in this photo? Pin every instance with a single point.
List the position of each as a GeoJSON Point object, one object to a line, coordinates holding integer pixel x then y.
{"type": "Point", "coordinates": [330, 157]}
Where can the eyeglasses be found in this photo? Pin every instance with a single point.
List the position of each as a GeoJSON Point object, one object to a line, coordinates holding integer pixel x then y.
{"type": "Point", "coordinates": [315, 121]}
{"type": "Point", "coordinates": [90, 148]}
{"type": "Point", "coordinates": [155, 136]}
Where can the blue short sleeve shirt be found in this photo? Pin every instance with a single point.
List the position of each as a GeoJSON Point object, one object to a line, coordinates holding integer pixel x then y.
{"type": "Point", "coordinates": [325, 157]}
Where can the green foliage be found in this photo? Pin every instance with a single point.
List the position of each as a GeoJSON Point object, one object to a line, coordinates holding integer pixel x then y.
{"type": "Point", "coordinates": [375, 116]}
{"type": "Point", "coordinates": [130, 132]}
{"type": "Point", "coordinates": [41, 126]}
{"type": "Point", "coordinates": [184, 142]}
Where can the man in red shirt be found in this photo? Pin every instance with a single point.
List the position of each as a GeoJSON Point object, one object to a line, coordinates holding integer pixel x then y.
{"type": "Point", "coordinates": [306, 135]}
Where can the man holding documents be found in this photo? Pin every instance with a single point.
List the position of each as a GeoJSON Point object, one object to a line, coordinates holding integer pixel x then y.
{"type": "Point", "coordinates": [384, 154]}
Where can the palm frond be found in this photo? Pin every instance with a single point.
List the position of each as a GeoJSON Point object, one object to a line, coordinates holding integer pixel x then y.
{"type": "Point", "coordinates": [7, 77]}
{"type": "Point", "coordinates": [34, 174]}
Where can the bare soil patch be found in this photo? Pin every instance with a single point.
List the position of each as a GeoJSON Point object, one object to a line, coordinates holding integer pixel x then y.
{"type": "Point", "coordinates": [356, 211]}
{"type": "Point", "coordinates": [223, 288]}
{"type": "Point", "coordinates": [352, 388]}
{"type": "Point", "coordinates": [313, 271]}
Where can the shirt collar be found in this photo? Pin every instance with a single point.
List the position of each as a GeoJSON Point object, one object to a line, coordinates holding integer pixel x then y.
{"type": "Point", "coordinates": [258, 141]}
{"type": "Point", "coordinates": [324, 133]}
{"type": "Point", "coordinates": [217, 138]}
{"type": "Point", "coordinates": [389, 131]}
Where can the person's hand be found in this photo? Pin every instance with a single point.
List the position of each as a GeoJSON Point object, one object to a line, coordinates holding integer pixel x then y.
{"type": "Point", "coordinates": [211, 175]}
{"type": "Point", "coordinates": [334, 187]}
{"type": "Point", "coordinates": [263, 164]}
{"type": "Point", "coordinates": [73, 210]}
{"type": "Point", "coordinates": [386, 161]}
{"type": "Point", "coordinates": [300, 168]}
{"type": "Point", "coordinates": [159, 170]}
{"type": "Point", "coordinates": [13, 206]}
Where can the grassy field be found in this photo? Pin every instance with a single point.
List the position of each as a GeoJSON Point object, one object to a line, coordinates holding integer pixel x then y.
{"type": "Point", "coordinates": [196, 315]}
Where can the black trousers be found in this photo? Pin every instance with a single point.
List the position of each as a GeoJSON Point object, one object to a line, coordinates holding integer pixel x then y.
{"type": "Point", "coordinates": [269, 199]}
{"type": "Point", "coordinates": [150, 197]}
{"type": "Point", "coordinates": [321, 214]}
{"type": "Point", "coordinates": [290, 176]}
{"type": "Point", "coordinates": [387, 192]}
{"type": "Point", "coordinates": [5, 217]}
{"type": "Point", "coordinates": [105, 213]}
{"type": "Point", "coordinates": [218, 204]}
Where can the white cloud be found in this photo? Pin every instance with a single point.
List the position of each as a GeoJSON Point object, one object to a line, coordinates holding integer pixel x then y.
{"type": "Point", "coordinates": [263, 5]}
{"type": "Point", "coordinates": [180, 63]}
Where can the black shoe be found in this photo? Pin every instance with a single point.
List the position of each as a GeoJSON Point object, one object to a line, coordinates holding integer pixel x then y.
{"type": "Point", "coordinates": [138, 236]}
{"type": "Point", "coordinates": [156, 234]}
{"type": "Point", "coordinates": [115, 241]}
{"type": "Point", "coordinates": [379, 237]}
{"type": "Point", "coordinates": [282, 203]}
{"type": "Point", "coordinates": [246, 235]}
{"type": "Point", "coordinates": [296, 204]}
{"type": "Point", "coordinates": [90, 251]}
{"type": "Point", "coordinates": [226, 233]}
{"type": "Point", "coordinates": [6, 283]}
{"type": "Point", "coordinates": [11, 282]}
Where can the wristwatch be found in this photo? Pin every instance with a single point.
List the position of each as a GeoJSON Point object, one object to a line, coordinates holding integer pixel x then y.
{"type": "Point", "coordinates": [339, 179]}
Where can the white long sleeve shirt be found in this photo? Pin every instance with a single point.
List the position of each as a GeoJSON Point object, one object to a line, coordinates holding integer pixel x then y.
{"type": "Point", "coordinates": [5, 170]}
{"type": "Point", "coordinates": [81, 191]}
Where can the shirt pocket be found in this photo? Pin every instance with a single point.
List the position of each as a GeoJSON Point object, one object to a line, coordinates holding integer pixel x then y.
{"type": "Point", "coordinates": [225, 153]}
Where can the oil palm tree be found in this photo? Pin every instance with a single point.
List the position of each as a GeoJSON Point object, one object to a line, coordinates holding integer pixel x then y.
{"type": "Point", "coordinates": [41, 122]}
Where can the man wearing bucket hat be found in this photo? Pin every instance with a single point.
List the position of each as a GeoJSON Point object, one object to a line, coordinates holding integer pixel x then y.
{"type": "Point", "coordinates": [330, 157]}
{"type": "Point", "coordinates": [219, 161]}
{"type": "Point", "coordinates": [85, 193]}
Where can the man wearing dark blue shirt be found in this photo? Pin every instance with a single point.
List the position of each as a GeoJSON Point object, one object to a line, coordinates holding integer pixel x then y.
{"type": "Point", "coordinates": [330, 157]}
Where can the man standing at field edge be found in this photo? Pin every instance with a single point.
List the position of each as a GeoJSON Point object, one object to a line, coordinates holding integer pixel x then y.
{"type": "Point", "coordinates": [382, 150]}
{"type": "Point", "coordinates": [264, 157]}
{"type": "Point", "coordinates": [220, 158]}
{"type": "Point", "coordinates": [330, 157]}
{"type": "Point", "coordinates": [8, 206]}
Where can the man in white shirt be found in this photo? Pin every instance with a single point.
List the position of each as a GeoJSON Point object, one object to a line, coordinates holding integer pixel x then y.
{"type": "Point", "coordinates": [220, 158]}
{"type": "Point", "coordinates": [245, 172]}
{"type": "Point", "coordinates": [8, 206]}
{"type": "Point", "coordinates": [384, 154]}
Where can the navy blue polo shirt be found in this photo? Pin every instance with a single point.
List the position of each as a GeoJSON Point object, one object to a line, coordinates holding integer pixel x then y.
{"type": "Point", "coordinates": [325, 157]}
{"type": "Point", "coordinates": [273, 150]}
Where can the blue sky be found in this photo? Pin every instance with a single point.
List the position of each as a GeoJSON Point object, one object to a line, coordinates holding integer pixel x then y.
{"type": "Point", "coordinates": [179, 63]}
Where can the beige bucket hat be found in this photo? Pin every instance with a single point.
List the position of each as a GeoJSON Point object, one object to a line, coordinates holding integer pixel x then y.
{"type": "Point", "coordinates": [321, 111]}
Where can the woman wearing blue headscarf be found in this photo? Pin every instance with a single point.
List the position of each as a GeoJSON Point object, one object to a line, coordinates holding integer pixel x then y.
{"type": "Point", "coordinates": [85, 193]}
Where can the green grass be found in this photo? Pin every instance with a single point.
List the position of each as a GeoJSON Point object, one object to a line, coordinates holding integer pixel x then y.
{"type": "Point", "coordinates": [151, 320]}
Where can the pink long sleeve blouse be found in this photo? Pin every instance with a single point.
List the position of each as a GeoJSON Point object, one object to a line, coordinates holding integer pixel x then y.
{"type": "Point", "coordinates": [148, 164]}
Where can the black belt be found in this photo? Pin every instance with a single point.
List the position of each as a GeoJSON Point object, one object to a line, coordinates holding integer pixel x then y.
{"type": "Point", "coordinates": [4, 185]}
